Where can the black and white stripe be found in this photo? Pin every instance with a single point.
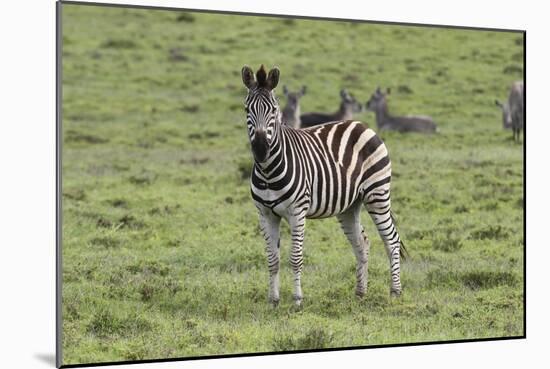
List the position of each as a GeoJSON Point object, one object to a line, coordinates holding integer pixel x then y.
{"type": "Point", "coordinates": [323, 171]}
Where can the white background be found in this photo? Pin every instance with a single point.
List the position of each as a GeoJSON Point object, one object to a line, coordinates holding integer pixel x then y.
{"type": "Point", "coordinates": [27, 182]}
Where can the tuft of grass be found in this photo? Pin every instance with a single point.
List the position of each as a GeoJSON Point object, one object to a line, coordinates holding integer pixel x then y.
{"type": "Point", "coordinates": [513, 69]}
{"type": "Point", "coordinates": [313, 338]}
{"type": "Point", "coordinates": [404, 89]}
{"type": "Point", "coordinates": [78, 137]}
{"type": "Point", "coordinates": [143, 178]}
{"type": "Point", "coordinates": [203, 135]}
{"type": "Point", "coordinates": [105, 322]}
{"type": "Point", "coordinates": [488, 279]}
{"type": "Point", "coordinates": [192, 108]}
{"type": "Point", "coordinates": [118, 203]}
{"type": "Point", "coordinates": [493, 232]}
{"type": "Point", "coordinates": [149, 266]}
{"type": "Point", "coordinates": [130, 221]}
{"type": "Point", "coordinates": [103, 222]}
{"type": "Point", "coordinates": [448, 243]}
{"type": "Point", "coordinates": [461, 209]}
{"type": "Point", "coordinates": [119, 44]}
{"type": "Point", "coordinates": [155, 286]}
{"type": "Point", "coordinates": [77, 194]}
{"type": "Point", "coordinates": [478, 279]}
{"type": "Point", "coordinates": [164, 210]}
{"type": "Point", "coordinates": [185, 17]}
{"type": "Point", "coordinates": [107, 242]}
{"type": "Point", "coordinates": [442, 278]}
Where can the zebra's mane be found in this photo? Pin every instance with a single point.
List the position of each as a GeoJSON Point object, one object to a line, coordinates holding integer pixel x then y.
{"type": "Point", "coordinates": [261, 77]}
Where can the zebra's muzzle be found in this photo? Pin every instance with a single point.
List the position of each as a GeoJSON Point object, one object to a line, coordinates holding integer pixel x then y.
{"type": "Point", "coordinates": [260, 146]}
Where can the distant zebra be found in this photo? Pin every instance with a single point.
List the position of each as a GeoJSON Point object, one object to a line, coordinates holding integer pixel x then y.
{"type": "Point", "coordinates": [319, 172]}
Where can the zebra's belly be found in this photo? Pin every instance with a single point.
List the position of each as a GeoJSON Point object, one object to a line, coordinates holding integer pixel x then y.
{"type": "Point", "coordinates": [319, 208]}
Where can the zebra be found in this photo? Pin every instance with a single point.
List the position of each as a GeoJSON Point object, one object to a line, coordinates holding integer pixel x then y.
{"type": "Point", "coordinates": [318, 172]}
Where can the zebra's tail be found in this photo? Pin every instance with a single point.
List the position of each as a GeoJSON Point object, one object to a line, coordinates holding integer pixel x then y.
{"type": "Point", "coordinates": [403, 253]}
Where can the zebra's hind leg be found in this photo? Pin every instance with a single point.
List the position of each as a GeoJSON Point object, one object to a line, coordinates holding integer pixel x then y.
{"type": "Point", "coordinates": [351, 225]}
{"type": "Point", "coordinates": [297, 227]}
{"type": "Point", "coordinates": [378, 205]}
{"type": "Point", "coordinates": [269, 226]}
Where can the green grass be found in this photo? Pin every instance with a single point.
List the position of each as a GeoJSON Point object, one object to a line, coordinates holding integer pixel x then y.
{"type": "Point", "coordinates": [162, 255]}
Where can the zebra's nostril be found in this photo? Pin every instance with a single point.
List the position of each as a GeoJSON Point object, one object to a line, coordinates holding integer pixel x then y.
{"type": "Point", "coordinates": [260, 146]}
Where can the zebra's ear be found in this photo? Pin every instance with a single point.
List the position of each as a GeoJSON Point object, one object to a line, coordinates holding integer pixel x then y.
{"type": "Point", "coordinates": [248, 77]}
{"type": "Point", "coordinates": [273, 78]}
{"type": "Point", "coordinates": [303, 90]}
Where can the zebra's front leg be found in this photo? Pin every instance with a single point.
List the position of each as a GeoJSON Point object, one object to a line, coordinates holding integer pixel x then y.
{"type": "Point", "coordinates": [269, 226]}
{"type": "Point", "coordinates": [297, 226]}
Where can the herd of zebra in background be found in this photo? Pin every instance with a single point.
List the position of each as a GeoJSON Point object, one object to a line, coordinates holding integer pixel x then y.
{"type": "Point", "coordinates": [512, 112]}
{"type": "Point", "coordinates": [319, 165]}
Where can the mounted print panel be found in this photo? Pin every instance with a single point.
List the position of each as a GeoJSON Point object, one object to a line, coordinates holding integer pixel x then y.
{"type": "Point", "coordinates": [237, 184]}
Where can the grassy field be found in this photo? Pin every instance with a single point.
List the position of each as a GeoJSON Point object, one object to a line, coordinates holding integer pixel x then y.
{"type": "Point", "coordinates": [162, 255]}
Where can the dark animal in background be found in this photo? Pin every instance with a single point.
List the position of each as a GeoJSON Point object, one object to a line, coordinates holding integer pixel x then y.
{"type": "Point", "coordinates": [348, 106]}
{"type": "Point", "coordinates": [291, 112]}
{"type": "Point", "coordinates": [512, 110]}
{"type": "Point", "coordinates": [329, 170]}
{"type": "Point", "coordinates": [384, 120]}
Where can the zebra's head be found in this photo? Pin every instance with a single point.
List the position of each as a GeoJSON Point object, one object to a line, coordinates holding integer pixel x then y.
{"type": "Point", "coordinates": [262, 109]}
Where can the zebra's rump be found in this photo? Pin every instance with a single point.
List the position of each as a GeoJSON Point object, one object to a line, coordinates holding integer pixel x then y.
{"type": "Point", "coordinates": [325, 170]}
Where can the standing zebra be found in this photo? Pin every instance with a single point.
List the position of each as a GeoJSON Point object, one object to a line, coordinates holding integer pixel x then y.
{"type": "Point", "coordinates": [319, 172]}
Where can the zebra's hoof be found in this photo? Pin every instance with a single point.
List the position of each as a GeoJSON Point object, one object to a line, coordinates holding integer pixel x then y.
{"type": "Point", "coordinates": [395, 293]}
{"type": "Point", "coordinates": [360, 293]}
{"type": "Point", "coordinates": [274, 302]}
{"type": "Point", "coordinates": [297, 300]}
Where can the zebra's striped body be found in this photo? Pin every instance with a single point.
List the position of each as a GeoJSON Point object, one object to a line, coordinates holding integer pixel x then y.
{"type": "Point", "coordinates": [327, 170]}
{"type": "Point", "coordinates": [321, 171]}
